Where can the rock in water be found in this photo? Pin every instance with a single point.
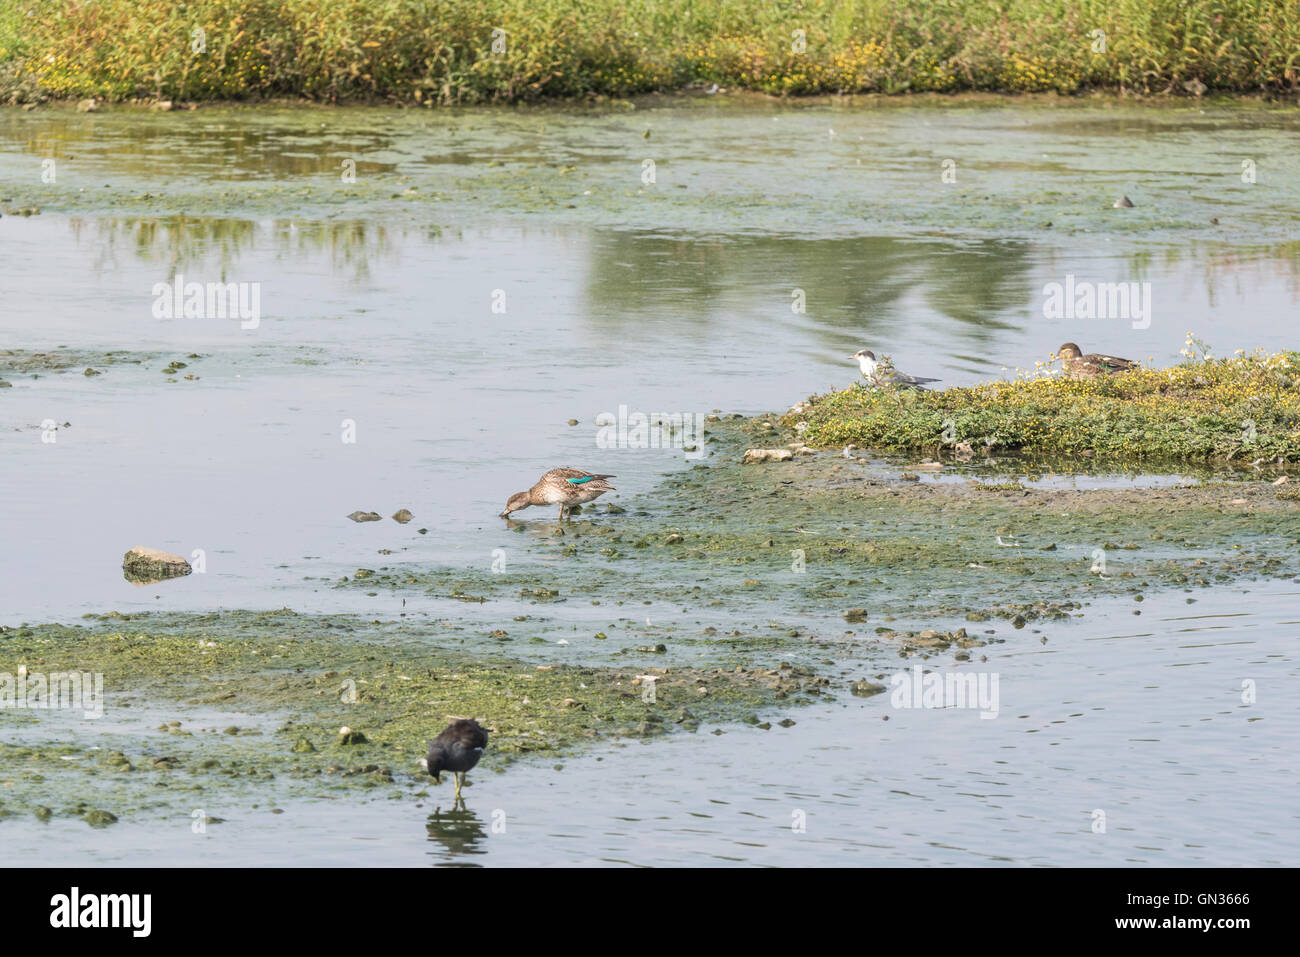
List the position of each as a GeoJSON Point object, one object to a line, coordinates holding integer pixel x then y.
{"type": "Point", "coordinates": [88, 106]}
{"type": "Point", "coordinates": [1123, 203]}
{"type": "Point", "coordinates": [865, 688]}
{"type": "Point", "coordinates": [143, 565]}
{"type": "Point", "coordinates": [360, 516]}
{"type": "Point", "coordinates": [402, 516]}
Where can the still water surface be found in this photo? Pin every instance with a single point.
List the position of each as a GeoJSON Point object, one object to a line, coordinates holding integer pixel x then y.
{"type": "Point", "coordinates": [670, 296]}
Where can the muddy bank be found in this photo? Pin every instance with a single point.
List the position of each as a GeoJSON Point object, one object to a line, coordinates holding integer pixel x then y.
{"type": "Point", "coordinates": [782, 549]}
{"type": "Point", "coordinates": [245, 707]}
{"type": "Point", "coordinates": [739, 589]}
{"type": "Point", "coordinates": [33, 364]}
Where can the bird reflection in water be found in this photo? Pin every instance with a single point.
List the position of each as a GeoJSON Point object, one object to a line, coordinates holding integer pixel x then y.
{"type": "Point", "coordinates": [459, 830]}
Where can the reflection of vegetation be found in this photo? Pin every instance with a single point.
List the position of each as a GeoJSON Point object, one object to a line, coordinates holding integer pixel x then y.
{"type": "Point", "coordinates": [465, 50]}
{"type": "Point", "coordinates": [852, 285]}
{"type": "Point", "coordinates": [1245, 408]}
{"type": "Point", "coordinates": [191, 242]}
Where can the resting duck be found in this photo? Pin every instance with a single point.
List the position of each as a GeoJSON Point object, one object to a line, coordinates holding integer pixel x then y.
{"type": "Point", "coordinates": [1090, 366]}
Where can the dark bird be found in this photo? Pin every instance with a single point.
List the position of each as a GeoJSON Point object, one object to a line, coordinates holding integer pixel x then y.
{"type": "Point", "coordinates": [457, 750]}
{"type": "Point", "coordinates": [1090, 366]}
{"type": "Point", "coordinates": [564, 487]}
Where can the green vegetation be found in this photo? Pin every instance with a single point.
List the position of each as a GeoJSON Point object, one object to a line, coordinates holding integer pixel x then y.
{"type": "Point", "coordinates": [242, 705]}
{"type": "Point", "coordinates": [441, 51]}
{"type": "Point", "coordinates": [1243, 408]}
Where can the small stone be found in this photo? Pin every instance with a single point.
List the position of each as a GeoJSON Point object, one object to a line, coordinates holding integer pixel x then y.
{"type": "Point", "coordinates": [402, 516]}
{"type": "Point", "coordinates": [142, 565]}
{"type": "Point", "coordinates": [349, 737]}
{"type": "Point", "coordinates": [573, 422]}
{"type": "Point", "coordinates": [359, 516]}
{"type": "Point", "coordinates": [89, 106]}
{"type": "Point", "coordinates": [753, 456]}
{"type": "Point", "coordinates": [855, 614]}
{"type": "Point", "coordinates": [1123, 203]}
{"type": "Point", "coordinates": [865, 688]}
{"type": "Point", "coordinates": [303, 746]}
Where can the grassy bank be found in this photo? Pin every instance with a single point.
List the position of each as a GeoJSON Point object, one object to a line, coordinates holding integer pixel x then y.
{"type": "Point", "coordinates": [442, 51]}
{"type": "Point", "coordinates": [1239, 409]}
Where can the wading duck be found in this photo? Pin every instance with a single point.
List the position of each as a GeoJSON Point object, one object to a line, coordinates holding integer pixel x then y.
{"type": "Point", "coordinates": [564, 487]}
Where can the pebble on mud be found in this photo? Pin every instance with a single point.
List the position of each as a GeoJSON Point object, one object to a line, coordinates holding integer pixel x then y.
{"type": "Point", "coordinates": [753, 456]}
{"type": "Point", "coordinates": [855, 614]}
{"type": "Point", "coordinates": [347, 736]}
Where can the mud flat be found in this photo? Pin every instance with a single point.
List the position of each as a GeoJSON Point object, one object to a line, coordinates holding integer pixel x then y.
{"type": "Point", "coordinates": [796, 582]}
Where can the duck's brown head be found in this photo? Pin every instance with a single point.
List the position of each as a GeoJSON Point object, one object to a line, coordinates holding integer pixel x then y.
{"type": "Point", "coordinates": [1069, 351]}
{"type": "Point", "coordinates": [515, 503]}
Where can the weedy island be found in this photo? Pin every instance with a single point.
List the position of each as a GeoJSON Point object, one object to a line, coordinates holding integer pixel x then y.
{"type": "Point", "coordinates": [1240, 409]}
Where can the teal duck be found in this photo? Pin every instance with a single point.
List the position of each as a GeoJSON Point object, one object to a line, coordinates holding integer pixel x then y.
{"type": "Point", "coordinates": [564, 487]}
{"type": "Point", "coordinates": [1090, 366]}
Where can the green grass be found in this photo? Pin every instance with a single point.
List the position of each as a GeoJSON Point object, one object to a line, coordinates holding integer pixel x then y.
{"type": "Point", "coordinates": [440, 51]}
{"type": "Point", "coordinates": [1242, 409]}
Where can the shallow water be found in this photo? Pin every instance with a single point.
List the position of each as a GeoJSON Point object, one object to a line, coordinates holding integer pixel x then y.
{"type": "Point", "coordinates": [675, 296]}
{"type": "Point", "coordinates": [1139, 717]}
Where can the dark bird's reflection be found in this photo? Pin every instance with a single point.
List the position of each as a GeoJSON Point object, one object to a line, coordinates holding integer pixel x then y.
{"type": "Point", "coordinates": [460, 831]}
